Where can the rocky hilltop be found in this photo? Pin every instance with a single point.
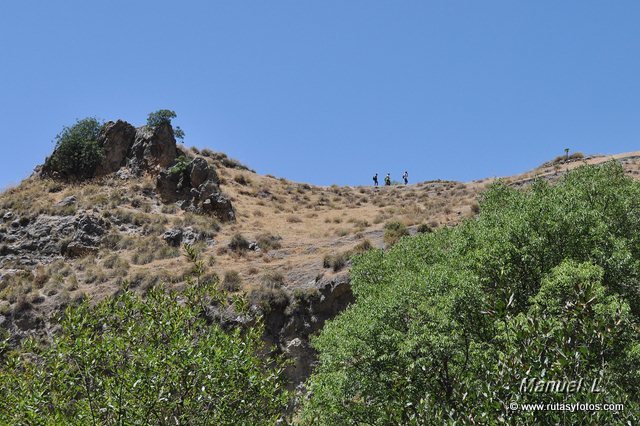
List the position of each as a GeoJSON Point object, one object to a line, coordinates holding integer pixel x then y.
{"type": "Point", "coordinates": [192, 185]}
{"type": "Point", "coordinates": [285, 245]}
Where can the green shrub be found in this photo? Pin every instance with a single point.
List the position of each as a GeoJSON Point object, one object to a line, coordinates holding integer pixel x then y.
{"type": "Point", "coordinates": [543, 283]}
{"type": "Point", "coordinates": [77, 153]}
{"type": "Point", "coordinates": [393, 231]}
{"type": "Point", "coordinates": [164, 116]}
{"type": "Point", "coordinates": [129, 360]}
{"type": "Point", "coordinates": [181, 166]}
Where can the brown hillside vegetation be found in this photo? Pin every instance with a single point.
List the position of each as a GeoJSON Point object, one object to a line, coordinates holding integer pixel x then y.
{"type": "Point", "coordinates": [295, 232]}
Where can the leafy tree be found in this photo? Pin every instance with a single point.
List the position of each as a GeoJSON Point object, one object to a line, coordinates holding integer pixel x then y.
{"type": "Point", "coordinates": [152, 360]}
{"type": "Point", "coordinates": [543, 283]}
{"type": "Point", "coordinates": [77, 153]}
{"type": "Point", "coordinates": [165, 116]}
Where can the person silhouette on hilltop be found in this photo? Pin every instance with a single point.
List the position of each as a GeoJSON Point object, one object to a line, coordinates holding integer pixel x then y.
{"type": "Point", "coordinates": [405, 176]}
{"type": "Point", "coordinates": [387, 180]}
{"type": "Point", "coordinates": [375, 180]}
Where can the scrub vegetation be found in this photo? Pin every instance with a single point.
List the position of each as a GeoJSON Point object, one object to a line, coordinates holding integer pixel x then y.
{"type": "Point", "coordinates": [544, 283]}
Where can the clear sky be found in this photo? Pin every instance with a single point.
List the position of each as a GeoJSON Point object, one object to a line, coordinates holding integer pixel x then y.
{"type": "Point", "coordinates": [330, 91]}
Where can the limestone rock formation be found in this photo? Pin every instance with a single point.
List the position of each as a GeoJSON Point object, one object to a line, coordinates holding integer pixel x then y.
{"type": "Point", "coordinates": [218, 205]}
{"type": "Point", "coordinates": [45, 238]}
{"type": "Point", "coordinates": [129, 152]}
{"type": "Point", "coordinates": [89, 230]}
{"type": "Point", "coordinates": [175, 237]}
{"type": "Point", "coordinates": [153, 148]}
{"type": "Point", "coordinates": [195, 188]}
{"type": "Point", "coordinates": [116, 139]}
{"type": "Point", "coordinates": [200, 172]}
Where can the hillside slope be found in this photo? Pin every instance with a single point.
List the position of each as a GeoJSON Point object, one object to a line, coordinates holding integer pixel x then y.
{"type": "Point", "coordinates": [62, 241]}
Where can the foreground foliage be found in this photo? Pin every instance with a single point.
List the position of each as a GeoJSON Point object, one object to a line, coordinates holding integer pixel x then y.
{"type": "Point", "coordinates": [134, 360]}
{"type": "Point", "coordinates": [543, 284]}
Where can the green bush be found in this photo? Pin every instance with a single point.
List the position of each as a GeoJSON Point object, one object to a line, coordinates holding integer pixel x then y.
{"type": "Point", "coordinates": [181, 166]}
{"type": "Point", "coordinates": [77, 153]}
{"type": "Point", "coordinates": [543, 283]}
{"type": "Point", "coordinates": [164, 116]}
{"type": "Point", "coordinates": [129, 360]}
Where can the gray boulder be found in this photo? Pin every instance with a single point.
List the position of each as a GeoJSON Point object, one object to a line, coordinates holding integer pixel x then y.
{"type": "Point", "coordinates": [176, 237]}
{"type": "Point", "coordinates": [173, 237]}
{"type": "Point", "coordinates": [68, 201]}
{"type": "Point", "coordinates": [200, 172]}
{"type": "Point", "coordinates": [88, 236]}
{"type": "Point", "coordinates": [167, 186]}
{"type": "Point", "coordinates": [153, 148]}
{"type": "Point", "coordinates": [216, 204]}
{"type": "Point", "coordinates": [46, 238]}
{"type": "Point", "coordinates": [116, 139]}
{"type": "Point", "coordinates": [289, 327]}
{"type": "Point", "coordinates": [196, 189]}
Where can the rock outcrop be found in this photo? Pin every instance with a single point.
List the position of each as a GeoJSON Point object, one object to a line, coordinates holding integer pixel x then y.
{"type": "Point", "coordinates": [116, 140]}
{"type": "Point", "coordinates": [194, 186]}
{"type": "Point", "coordinates": [289, 327]}
{"type": "Point", "coordinates": [175, 237]}
{"type": "Point", "coordinates": [128, 151]}
{"type": "Point", "coordinates": [200, 172]}
{"type": "Point", "coordinates": [154, 148]}
{"type": "Point", "coordinates": [218, 205]}
{"type": "Point", "coordinates": [289, 323]}
{"type": "Point", "coordinates": [89, 230]}
{"type": "Point", "coordinates": [41, 240]}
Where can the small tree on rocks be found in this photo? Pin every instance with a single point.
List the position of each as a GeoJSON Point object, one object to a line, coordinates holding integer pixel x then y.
{"type": "Point", "coordinates": [165, 116]}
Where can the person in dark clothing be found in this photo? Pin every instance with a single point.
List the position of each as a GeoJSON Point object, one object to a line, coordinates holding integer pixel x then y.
{"type": "Point", "coordinates": [387, 180]}
{"type": "Point", "coordinates": [405, 176]}
{"type": "Point", "coordinates": [375, 180]}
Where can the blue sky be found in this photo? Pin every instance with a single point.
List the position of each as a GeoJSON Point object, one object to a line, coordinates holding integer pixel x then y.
{"type": "Point", "coordinates": [330, 91]}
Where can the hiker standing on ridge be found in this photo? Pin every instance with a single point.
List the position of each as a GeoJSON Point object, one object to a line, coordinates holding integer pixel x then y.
{"type": "Point", "coordinates": [387, 180]}
{"type": "Point", "coordinates": [375, 180]}
{"type": "Point", "coordinates": [405, 176]}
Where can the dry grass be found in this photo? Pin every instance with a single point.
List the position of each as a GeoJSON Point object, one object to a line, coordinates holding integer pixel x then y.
{"type": "Point", "coordinates": [232, 281]}
{"type": "Point", "coordinates": [298, 228]}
